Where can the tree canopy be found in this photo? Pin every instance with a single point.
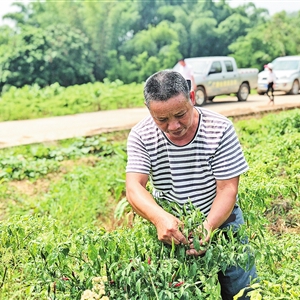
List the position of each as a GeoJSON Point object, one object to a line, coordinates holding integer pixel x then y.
{"type": "Point", "coordinates": [74, 42]}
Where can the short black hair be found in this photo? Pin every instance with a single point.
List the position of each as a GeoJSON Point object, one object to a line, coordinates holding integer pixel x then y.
{"type": "Point", "coordinates": [164, 85]}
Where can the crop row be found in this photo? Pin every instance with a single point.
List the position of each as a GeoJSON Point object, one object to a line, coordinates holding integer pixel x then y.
{"type": "Point", "coordinates": [31, 102]}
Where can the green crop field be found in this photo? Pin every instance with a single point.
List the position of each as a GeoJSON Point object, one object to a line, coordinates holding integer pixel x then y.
{"type": "Point", "coordinates": [31, 102]}
{"type": "Point", "coordinates": [67, 231]}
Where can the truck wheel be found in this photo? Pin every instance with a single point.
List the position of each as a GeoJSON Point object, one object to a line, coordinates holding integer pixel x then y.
{"type": "Point", "coordinates": [243, 92]}
{"type": "Point", "coordinates": [200, 96]}
{"type": "Point", "coordinates": [295, 88]}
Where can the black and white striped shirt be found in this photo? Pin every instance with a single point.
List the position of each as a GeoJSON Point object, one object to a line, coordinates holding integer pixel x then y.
{"type": "Point", "coordinates": [187, 173]}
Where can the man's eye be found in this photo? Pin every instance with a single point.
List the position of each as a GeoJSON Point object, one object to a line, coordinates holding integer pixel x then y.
{"type": "Point", "coordinates": [180, 116]}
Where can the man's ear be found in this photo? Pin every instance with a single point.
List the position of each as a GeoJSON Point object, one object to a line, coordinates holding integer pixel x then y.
{"type": "Point", "coordinates": [193, 97]}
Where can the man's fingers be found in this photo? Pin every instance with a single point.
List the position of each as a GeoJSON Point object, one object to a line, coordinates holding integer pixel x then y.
{"type": "Point", "coordinates": [194, 252]}
{"type": "Point", "coordinates": [178, 241]}
{"type": "Point", "coordinates": [174, 234]}
{"type": "Point", "coordinates": [181, 240]}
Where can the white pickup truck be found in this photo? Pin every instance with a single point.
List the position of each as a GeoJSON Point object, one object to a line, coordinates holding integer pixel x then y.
{"type": "Point", "coordinates": [219, 75]}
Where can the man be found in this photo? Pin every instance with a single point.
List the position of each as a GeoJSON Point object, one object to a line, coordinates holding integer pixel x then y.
{"type": "Point", "coordinates": [190, 154]}
{"type": "Point", "coordinates": [187, 72]}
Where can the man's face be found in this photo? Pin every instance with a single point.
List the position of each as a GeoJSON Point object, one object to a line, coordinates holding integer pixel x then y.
{"type": "Point", "coordinates": [182, 62]}
{"type": "Point", "coordinates": [175, 116]}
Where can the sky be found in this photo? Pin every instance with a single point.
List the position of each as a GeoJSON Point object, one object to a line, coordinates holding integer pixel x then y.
{"type": "Point", "coordinates": [273, 6]}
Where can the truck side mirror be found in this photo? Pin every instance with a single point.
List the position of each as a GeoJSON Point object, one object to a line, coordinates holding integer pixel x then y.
{"type": "Point", "coordinates": [189, 82]}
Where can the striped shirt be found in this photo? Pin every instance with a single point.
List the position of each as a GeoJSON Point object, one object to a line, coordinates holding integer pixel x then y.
{"type": "Point", "coordinates": [187, 173]}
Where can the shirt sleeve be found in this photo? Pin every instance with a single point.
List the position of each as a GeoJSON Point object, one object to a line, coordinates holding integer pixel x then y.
{"type": "Point", "coordinates": [229, 161]}
{"type": "Point", "coordinates": [138, 160]}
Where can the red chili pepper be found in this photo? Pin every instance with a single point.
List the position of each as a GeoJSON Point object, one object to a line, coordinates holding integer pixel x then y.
{"type": "Point", "coordinates": [65, 278]}
{"type": "Point", "coordinates": [149, 260]}
{"type": "Point", "coordinates": [178, 284]}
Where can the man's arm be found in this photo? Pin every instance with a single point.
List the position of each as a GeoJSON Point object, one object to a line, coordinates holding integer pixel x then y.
{"type": "Point", "coordinates": [143, 203]}
{"type": "Point", "coordinates": [221, 208]}
{"type": "Point", "coordinates": [223, 203]}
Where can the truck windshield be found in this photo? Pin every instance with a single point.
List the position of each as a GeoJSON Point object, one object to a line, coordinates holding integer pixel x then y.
{"type": "Point", "coordinates": [286, 65]}
{"type": "Point", "coordinates": [199, 67]}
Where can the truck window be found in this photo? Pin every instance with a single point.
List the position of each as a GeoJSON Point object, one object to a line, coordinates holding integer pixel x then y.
{"type": "Point", "coordinates": [216, 67]}
{"type": "Point", "coordinates": [228, 65]}
{"type": "Point", "coordinates": [286, 65]}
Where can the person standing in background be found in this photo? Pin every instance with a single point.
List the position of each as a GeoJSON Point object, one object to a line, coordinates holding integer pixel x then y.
{"type": "Point", "coordinates": [187, 72]}
{"type": "Point", "coordinates": [271, 79]}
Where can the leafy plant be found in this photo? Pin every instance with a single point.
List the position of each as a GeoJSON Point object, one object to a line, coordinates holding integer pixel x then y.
{"type": "Point", "coordinates": [62, 240]}
{"type": "Point", "coordinates": [31, 102]}
{"type": "Point", "coordinates": [42, 160]}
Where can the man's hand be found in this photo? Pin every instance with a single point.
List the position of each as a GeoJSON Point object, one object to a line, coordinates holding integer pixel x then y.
{"type": "Point", "coordinates": [203, 233]}
{"type": "Point", "coordinates": [221, 209]}
{"type": "Point", "coordinates": [168, 229]}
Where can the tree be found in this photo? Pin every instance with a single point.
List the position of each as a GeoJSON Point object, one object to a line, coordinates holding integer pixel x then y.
{"type": "Point", "coordinates": [22, 16]}
{"type": "Point", "coordinates": [57, 53]}
{"type": "Point", "coordinates": [129, 40]}
{"type": "Point", "coordinates": [234, 26]}
{"type": "Point", "coordinates": [147, 52]}
{"type": "Point", "coordinates": [109, 26]}
{"type": "Point", "coordinates": [280, 36]}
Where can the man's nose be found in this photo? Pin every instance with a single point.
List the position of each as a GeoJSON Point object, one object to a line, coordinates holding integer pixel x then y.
{"type": "Point", "coordinates": [173, 125]}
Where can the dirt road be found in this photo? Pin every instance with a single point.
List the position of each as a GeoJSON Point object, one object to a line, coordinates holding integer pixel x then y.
{"type": "Point", "coordinates": [13, 133]}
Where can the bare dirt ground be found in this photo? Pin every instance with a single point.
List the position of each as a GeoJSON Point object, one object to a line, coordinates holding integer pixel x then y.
{"type": "Point", "coordinates": [13, 133]}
